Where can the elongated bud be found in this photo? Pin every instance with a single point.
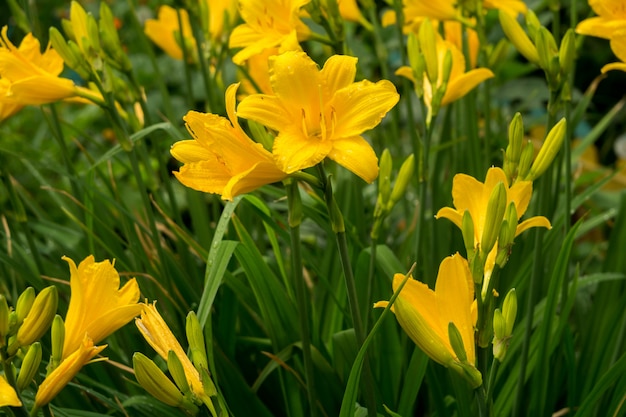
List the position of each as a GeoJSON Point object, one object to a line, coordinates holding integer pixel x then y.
{"type": "Point", "coordinates": [57, 333]}
{"type": "Point", "coordinates": [24, 304]}
{"type": "Point", "coordinates": [567, 52]}
{"type": "Point", "coordinates": [498, 53]}
{"type": "Point", "coordinates": [30, 366]}
{"type": "Point", "coordinates": [518, 37]}
{"type": "Point", "coordinates": [509, 310]}
{"type": "Point", "coordinates": [428, 46]}
{"type": "Point", "coordinates": [207, 383]}
{"type": "Point", "coordinates": [38, 319]}
{"type": "Point", "coordinates": [456, 341]}
{"type": "Point", "coordinates": [336, 218]}
{"type": "Point", "coordinates": [493, 218]}
{"type": "Point", "coordinates": [384, 177]}
{"type": "Point", "coordinates": [4, 320]}
{"type": "Point", "coordinates": [404, 178]}
{"type": "Point", "coordinates": [175, 366]}
{"type": "Point", "coordinates": [294, 202]}
{"type": "Point", "coordinates": [110, 40]}
{"type": "Point", "coordinates": [532, 23]}
{"type": "Point", "coordinates": [548, 150]}
{"type": "Point", "coordinates": [547, 50]}
{"type": "Point", "coordinates": [502, 255]}
{"type": "Point", "coordinates": [467, 230]}
{"type": "Point", "coordinates": [499, 335]}
{"type": "Point", "coordinates": [93, 32]}
{"type": "Point", "coordinates": [514, 149]}
{"type": "Point", "coordinates": [195, 337]}
{"type": "Point", "coordinates": [153, 380]}
{"type": "Point", "coordinates": [528, 151]}
{"type": "Point", "coordinates": [416, 61]}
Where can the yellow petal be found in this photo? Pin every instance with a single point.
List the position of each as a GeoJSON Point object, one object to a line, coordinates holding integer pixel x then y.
{"type": "Point", "coordinates": [356, 155]}
{"type": "Point", "coordinates": [8, 396]}
{"type": "Point", "coordinates": [406, 72]}
{"type": "Point", "coordinates": [265, 109]}
{"type": "Point", "coordinates": [294, 152]}
{"type": "Point", "coordinates": [520, 193]}
{"type": "Point", "coordinates": [361, 106]}
{"type": "Point", "coordinates": [190, 151]}
{"type": "Point", "coordinates": [537, 221]}
{"type": "Point", "coordinates": [338, 72]}
{"type": "Point", "coordinates": [452, 215]}
{"type": "Point", "coordinates": [41, 90]}
{"type": "Point", "coordinates": [621, 66]}
{"type": "Point", "coordinates": [463, 84]}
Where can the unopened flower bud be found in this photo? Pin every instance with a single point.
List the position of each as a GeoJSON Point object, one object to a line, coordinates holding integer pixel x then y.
{"type": "Point", "coordinates": [526, 159]}
{"type": "Point", "coordinates": [509, 310]}
{"type": "Point", "coordinates": [532, 23]}
{"type": "Point", "coordinates": [384, 177]}
{"type": "Point", "coordinates": [404, 178]}
{"type": "Point", "coordinates": [38, 319]}
{"type": "Point", "coordinates": [567, 52]}
{"type": "Point", "coordinates": [195, 337]}
{"type": "Point", "coordinates": [30, 366]}
{"type": "Point", "coordinates": [416, 60]}
{"type": "Point", "coordinates": [467, 230]}
{"type": "Point", "coordinates": [493, 218]}
{"type": "Point", "coordinates": [153, 380]}
{"type": "Point", "coordinates": [427, 41]}
{"type": "Point", "coordinates": [518, 37]}
{"type": "Point", "coordinates": [456, 341]}
{"type": "Point", "coordinates": [57, 333]}
{"type": "Point", "coordinates": [514, 149]}
{"type": "Point", "coordinates": [175, 366]}
{"type": "Point", "coordinates": [548, 150]}
{"type": "Point", "coordinates": [546, 48]}
{"type": "Point", "coordinates": [24, 304]}
{"type": "Point", "coordinates": [110, 40]}
{"type": "Point", "coordinates": [4, 320]}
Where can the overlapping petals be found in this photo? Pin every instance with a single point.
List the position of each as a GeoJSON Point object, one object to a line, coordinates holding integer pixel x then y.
{"type": "Point", "coordinates": [611, 19]}
{"type": "Point", "coordinates": [618, 45]}
{"type": "Point", "coordinates": [166, 32]}
{"type": "Point", "coordinates": [425, 314]}
{"type": "Point", "coordinates": [320, 113]}
{"type": "Point", "coordinates": [222, 159]}
{"type": "Point", "coordinates": [98, 306]}
{"type": "Point", "coordinates": [268, 24]}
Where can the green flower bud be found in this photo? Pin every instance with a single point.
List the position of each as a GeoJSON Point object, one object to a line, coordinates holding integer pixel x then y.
{"type": "Point", "coordinates": [195, 337]}
{"type": "Point", "coordinates": [384, 177]}
{"type": "Point", "coordinates": [526, 159]}
{"type": "Point", "coordinates": [467, 230]}
{"type": "Point", "coordinates": [24, 304]}
{"type": "Point", "coordinates": [498, 53]}
{"type": "Point", "coordinates": [110, 40]}
{"type": "Point", "coordinates": [509, 310]}
{"type": "Point", "coordinates": [502, 255]}
{"type": "Point", "coordinates": [30, 366]}
{"type": "Point", "coordinates": [57, 333]}
{"type": "Point", "coordinates": [38, 319]}
{"type": "Point", "coordinates": [416, 59]}
{"type": "Point", "coordinates": [4, 320]}
{"type": "Point", "coordinates": [567, 52]}
{"type": "Point", "coordinates": [94, 35]}
{"type": "Point", "coordinates": [499, 335]}
{"type": "Point", "coordinates": [514, 148]}
{"type": "Point", "coordinates": [493, 218]}
{"type": "Point", "coordinates": [548, 150]}
{"type": "Point", "coordinates": [456, 341]}
{"type": "Point", "coordinates": [427, 41]}
{"type": "Point", "coordinates": [295, 204]}
{"type": "Point", "coordinates": [153, 380]}
{"type": "Point", "coordinates": [532, 23]}
{"type": "Point", "coordinates": [404, 178]}
{"type": "Point", "coordinates": [175, 366]}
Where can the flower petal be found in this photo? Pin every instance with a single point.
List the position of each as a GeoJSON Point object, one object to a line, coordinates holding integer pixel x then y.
{"type": "Point", "coordinates": [265, 109]}
{"type": "Point", "coordinates": [293, 151]}
{"type": "Point", "coordinates": [463, 84]}
{"type": "Point", "coordinates": [452, 215]}
{"type": "Point", "coordinates": [8, 396]}
{"type": "Point", "coordinates": [338, 72]}
{"type": "Point", "coordinates": [537, 221]}
{"type": "Point", "coordinates": [356, 155]}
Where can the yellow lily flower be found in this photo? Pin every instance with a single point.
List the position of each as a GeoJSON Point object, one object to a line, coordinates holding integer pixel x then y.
{"type": "Point", "coordinates": [471, 195]}
{"type": "Point", "coordinates": [98, 306]}
{"type": "Point", "coordinates": [165, 32]}
{"type": "Point", "coordinates": [160, 337]}
{"type": "Point", "coordinates": [425, 315]}
{"type": "Point", "coordinates": [611, 18]}
{"type": "Point", "coordinates": [8, 396]}
{"type": "Point", "coordinates": [320, 113]}
{"type": "Point", "coordinates": [222, 159]}
{"type": "Point", "coordinates": [460, 82]}
{"type": "Point", "coordinates": [28, 76]}
{"type": "Point", "coordinates": [69, 367]}
{"type": "Point", "coordinates": [618, 45]}
{"type": "Point", "coordinates": [268, 24]}
{"type": "Point", "coordinates": [455, 31]}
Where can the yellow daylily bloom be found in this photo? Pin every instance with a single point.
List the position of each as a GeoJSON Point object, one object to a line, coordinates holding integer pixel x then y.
{"type": "Point", "coordinates": [268, 24]}
{"type": "Point", "coordinates": [349, 10]}
{"type": "Point", "coordinates": [165, 32]}
{"type": "Point", "coordinates": [222, 159]}
{"type": "Point", "coordinates": [454, 32]}
{"type": "Point", "coordinates": [320, 113]}
{"type": "Point", "coordinates": [611, 18]}
{"type": "Point", "coordinates": [63, 374]}
{"type": "Point", "coordinates": [8, 396]}
{"type": "Point", "coordinates": [460, 82]}
{"type": "Point", "coordinates": [160, 337]}
{"type": "Point", "coordinates": [618, 45]}
{"type": "Point", "coordinates": [98, 306]}
{"type": "Point", "coordinates": [469, 194]}
{"type": "Point", "coordinates": [259, 71]}
{"type": "Point", "coordinates": [28, 76]}
{"type": "Point", "coordinates": [425, 315]}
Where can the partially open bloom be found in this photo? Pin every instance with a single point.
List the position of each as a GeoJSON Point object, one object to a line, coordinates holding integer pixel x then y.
{"type": "Point", "coordinates": [618, 45]}
{"type": "Point", "coordinates": [28, 76]}
{"type": "Point", "coordinates": [459, 82]}
{"type": "Point", "coordinates": [469, 194]}
{"type": "Point", "coordinates": [425, 315]}
{"type": "Point", "coordinates": [69, 367]}
{"type": "Point", "coordinates": [268, 24]}
{"type": "Point", "coordinates": [166, 32]}
{"type": "Point", "coordinates": [320, 113]}
{"type": "Point", "coordinates": [611, 18]}
{"type": "Point", "coordinates": [98, 306]}
{"type": "Point", "coordinates": [222, 159]}
{"type": "Point", "coordinates": [8, 396]}
{"type": "Point", "coordinates": [160, 337]}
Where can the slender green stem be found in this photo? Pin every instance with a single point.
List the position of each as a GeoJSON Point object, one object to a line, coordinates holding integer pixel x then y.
{"type": "Point", "coordinates": [492, 381]}
{"type": "Point", "coordinates": [370, 281]}
{"type": "Point", "coordinates": [483, 410]}
{"type": "Point", "coordinates": [303, 312]}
